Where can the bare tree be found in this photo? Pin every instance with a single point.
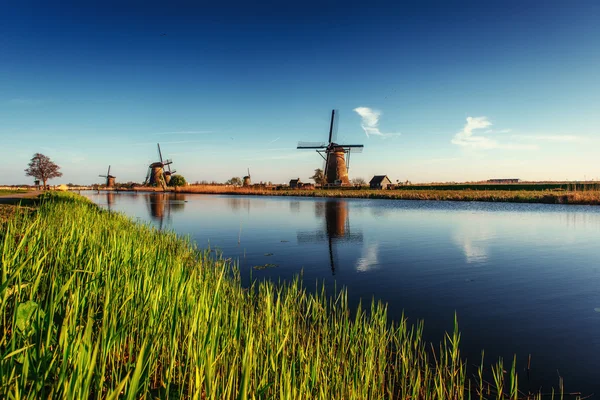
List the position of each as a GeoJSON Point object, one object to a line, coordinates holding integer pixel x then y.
{"type": "Point", "coordinates": [42, 168]}
{"type": "Point", "coordinates": [235, 181]}
{"type": "Point", "coordinates": [359, 182]}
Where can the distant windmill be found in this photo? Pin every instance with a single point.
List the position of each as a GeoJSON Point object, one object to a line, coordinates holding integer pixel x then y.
{"type": "Point", "coordinates": [110, 180]}
{"type": "Point", "coordinates": [336, 164]}
{"type": "Point", "coordinates": [156, 172]}
{"type": "Point", "coordinates": [247, 181]}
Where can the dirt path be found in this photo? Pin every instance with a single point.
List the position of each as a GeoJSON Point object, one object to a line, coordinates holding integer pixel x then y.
{"type": "Point", "coordinates": [15, 198]}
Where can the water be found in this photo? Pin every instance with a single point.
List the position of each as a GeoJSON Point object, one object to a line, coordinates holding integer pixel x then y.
{"type": "Point", "coordinates": [522, 278]}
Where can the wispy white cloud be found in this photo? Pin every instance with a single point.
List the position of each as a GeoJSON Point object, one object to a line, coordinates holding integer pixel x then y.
{"type": "Point", "coordinates": [467, 137]}
{"type": "Point", "coordinates": [183, 133]}
{"type": "Point", "coordinates": [274, 140]}
{"type": "Point", "coordinates": [370, 122]}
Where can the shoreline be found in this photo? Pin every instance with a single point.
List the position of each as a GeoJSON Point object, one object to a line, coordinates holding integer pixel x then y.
{"type": "Point", "coordinates": [573, 197]}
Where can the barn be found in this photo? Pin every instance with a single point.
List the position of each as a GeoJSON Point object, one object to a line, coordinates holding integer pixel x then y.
{"type": "Point", "coordinates": [380, 182]}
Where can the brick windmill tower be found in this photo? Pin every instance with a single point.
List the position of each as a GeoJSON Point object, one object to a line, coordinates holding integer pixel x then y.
{"type": "Point", "coordinates": [336, 156]}
{"type": "Point", "coordinates": [110, 180]}
{"type": "Point", "coordinates": [157, 174]}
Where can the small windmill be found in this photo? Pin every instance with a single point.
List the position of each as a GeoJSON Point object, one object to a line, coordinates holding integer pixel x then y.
{"type": "Point", "coordinates": [110, 180]}
{"type": "Point", "coordinates": [247, 181]}
{"type": "Point", "coordinates": [157, 175]}
{"type": "Point", "coordinates": [337, 156]}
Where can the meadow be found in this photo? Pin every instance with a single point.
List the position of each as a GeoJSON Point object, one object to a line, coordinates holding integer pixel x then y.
{"type": "Point", "coordinates": [94, 305]}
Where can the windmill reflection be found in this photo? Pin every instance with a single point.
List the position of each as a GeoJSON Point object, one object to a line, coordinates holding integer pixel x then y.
{"type": "Point", "coordinates": [337, 228]}
{"type": "Point", "coordinates": [110, 200]}
{"type": "Point", "coordinates": [161, 205]}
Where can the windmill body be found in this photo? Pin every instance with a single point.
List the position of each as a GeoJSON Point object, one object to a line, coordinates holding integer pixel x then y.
{"type": "Point", "coordinates": [247, 182]}
{"type": "Point", "coordinates": [336, 156]}
{"type": "Point", "coordinates": [110, 180]}
{"type": "Point", "coordinates": [159, 173]}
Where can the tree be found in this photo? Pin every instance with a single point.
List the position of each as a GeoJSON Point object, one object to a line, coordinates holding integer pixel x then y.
{"type": "Point", "coordinates": [318, 177]}
{"type": "Point", "coordinates": [42, 168]}
{"type": "Point", "coordinates": [177, 181]}
{"type": "Point", "coordinates": [235, 181]}
{"type": "Point", "coordinates": [359, 182]}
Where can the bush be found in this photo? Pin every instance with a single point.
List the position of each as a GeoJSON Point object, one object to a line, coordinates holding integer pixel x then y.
{"type": "Point", "coordinates": [177, 181]}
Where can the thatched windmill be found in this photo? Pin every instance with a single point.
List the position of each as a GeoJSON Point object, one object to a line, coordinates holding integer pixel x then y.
{"type": "Point", "coordinates": [110, 180]}
{"type": "Point", "coordinates": [247, 181]}
{"type": "Point", "coordinates": [337, 156]}
{"type": "Point", "coordinates": [157, 174]}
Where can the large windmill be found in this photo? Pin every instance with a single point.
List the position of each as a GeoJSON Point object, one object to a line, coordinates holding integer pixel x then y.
{"type": "Point", "coordinates": [337, 156]}
{"type": "Point", "coordinates": [157, 175]}
{"type": "Point", "coordinates": [110, 180]}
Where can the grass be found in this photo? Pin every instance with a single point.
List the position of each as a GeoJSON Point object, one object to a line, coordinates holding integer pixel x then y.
{"type": "Point", "coordinates": [5, 192]}
{"type": "Point", "coordinates": [588, 196]}
{"type": "Point", "coordinates": [94, 305]}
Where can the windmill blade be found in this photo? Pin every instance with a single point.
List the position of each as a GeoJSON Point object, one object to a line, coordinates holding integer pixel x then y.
{"type": "Point", "coordinates": [159, 153]}
{"type": "Point", "coordinates": [334, 128]}
{"type": "Point", "coordinates": [331, 123]}
{"type": "Point", "coordinates": [108, 173]}
{"type": "Point", "coordinates": [311, 145]}
{"type": "Point", "coordinates": [354, 148]}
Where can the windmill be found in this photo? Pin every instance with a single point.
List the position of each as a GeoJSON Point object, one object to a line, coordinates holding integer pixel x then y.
{"type": "Point", "coordinates": [337, 228]}
{"type": "Point", "coordinates": [337, 156]}
{"type": "Point", "coordinates": [247, 182]}
{"type": "Point", "coordinates": [157, 175]}
{"type": "Point", "coordinates": [110, 180]}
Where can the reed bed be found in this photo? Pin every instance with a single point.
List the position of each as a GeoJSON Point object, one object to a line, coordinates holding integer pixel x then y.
{"type": "Point", "coordinates": [589, 197]}
{"type": "Point", "coordinates": [96, 306]}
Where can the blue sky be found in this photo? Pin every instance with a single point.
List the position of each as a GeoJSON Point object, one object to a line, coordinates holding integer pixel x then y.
{"type": "Point", "coordinates": [435, 91]}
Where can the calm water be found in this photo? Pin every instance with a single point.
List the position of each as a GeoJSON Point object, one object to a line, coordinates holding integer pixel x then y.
{"type": "Point", "coordinates": [522, 278]}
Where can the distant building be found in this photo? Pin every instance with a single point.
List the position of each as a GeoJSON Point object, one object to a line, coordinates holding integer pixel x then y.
{"type": "Point", "coordinates": [295, 183]}
{"type": "Point", "coordinates": [504, 180]}
{"type": "Point", "coordinates": [380, 182]}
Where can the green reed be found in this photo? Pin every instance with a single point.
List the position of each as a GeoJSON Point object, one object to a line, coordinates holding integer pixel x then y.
{"type": "Point", "coordinates": [96, 306]}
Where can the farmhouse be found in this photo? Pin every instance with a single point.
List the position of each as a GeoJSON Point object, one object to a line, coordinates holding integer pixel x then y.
{"type": "Point", "coordinates": [295, 183]}
{"type": "Point", "coordinates": [380, 182]}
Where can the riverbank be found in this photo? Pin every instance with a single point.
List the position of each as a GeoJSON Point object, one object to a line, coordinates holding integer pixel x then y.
{"type": "Point", "coordinates": [580, 197]}
{"type": "Point", "coordinates": [98, 306]}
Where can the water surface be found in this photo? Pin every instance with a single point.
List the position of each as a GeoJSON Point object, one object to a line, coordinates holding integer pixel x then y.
{"type": "Point", "coordinates": [522, 278]}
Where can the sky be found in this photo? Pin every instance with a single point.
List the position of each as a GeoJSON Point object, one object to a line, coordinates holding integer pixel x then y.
{"type": "Point", "coordinates": [436, 91]}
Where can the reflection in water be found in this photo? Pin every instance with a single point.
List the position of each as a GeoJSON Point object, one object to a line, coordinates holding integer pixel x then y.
{"type": "Point", "coordinates": [369, 259]}
{"type": "Point", "coordinates": [295, 206]}
{"type": "Point", "coordinates": [238, 203]}
{"type": "Point", "coordinates": [337, 227]}
{"type": "Point", "coordinates": [110, 199]}
{"type": "Point", "coordinates": [161, 205]}
{"type": "Point", "coordinates": [474, 237]}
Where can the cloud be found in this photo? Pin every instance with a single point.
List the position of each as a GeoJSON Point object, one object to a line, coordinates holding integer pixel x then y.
{"type": "Point", "coordinates": [468, 138]}
{"type": "Point", "coordinates": [183, 133]}
{"type": "Point", "coordinates": [273, 141]}
{"type": "Point", "coordinates": [370, 122]}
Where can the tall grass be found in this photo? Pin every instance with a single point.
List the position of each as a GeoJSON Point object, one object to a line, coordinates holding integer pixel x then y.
{"type": "Point", "coordinates": [93, 305]}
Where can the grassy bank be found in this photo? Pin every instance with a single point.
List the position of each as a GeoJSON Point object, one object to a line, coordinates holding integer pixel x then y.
{"type": "Point", "coordinates": [93, 305]}
{"type": "Point", "coordinates": [590, 197]}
